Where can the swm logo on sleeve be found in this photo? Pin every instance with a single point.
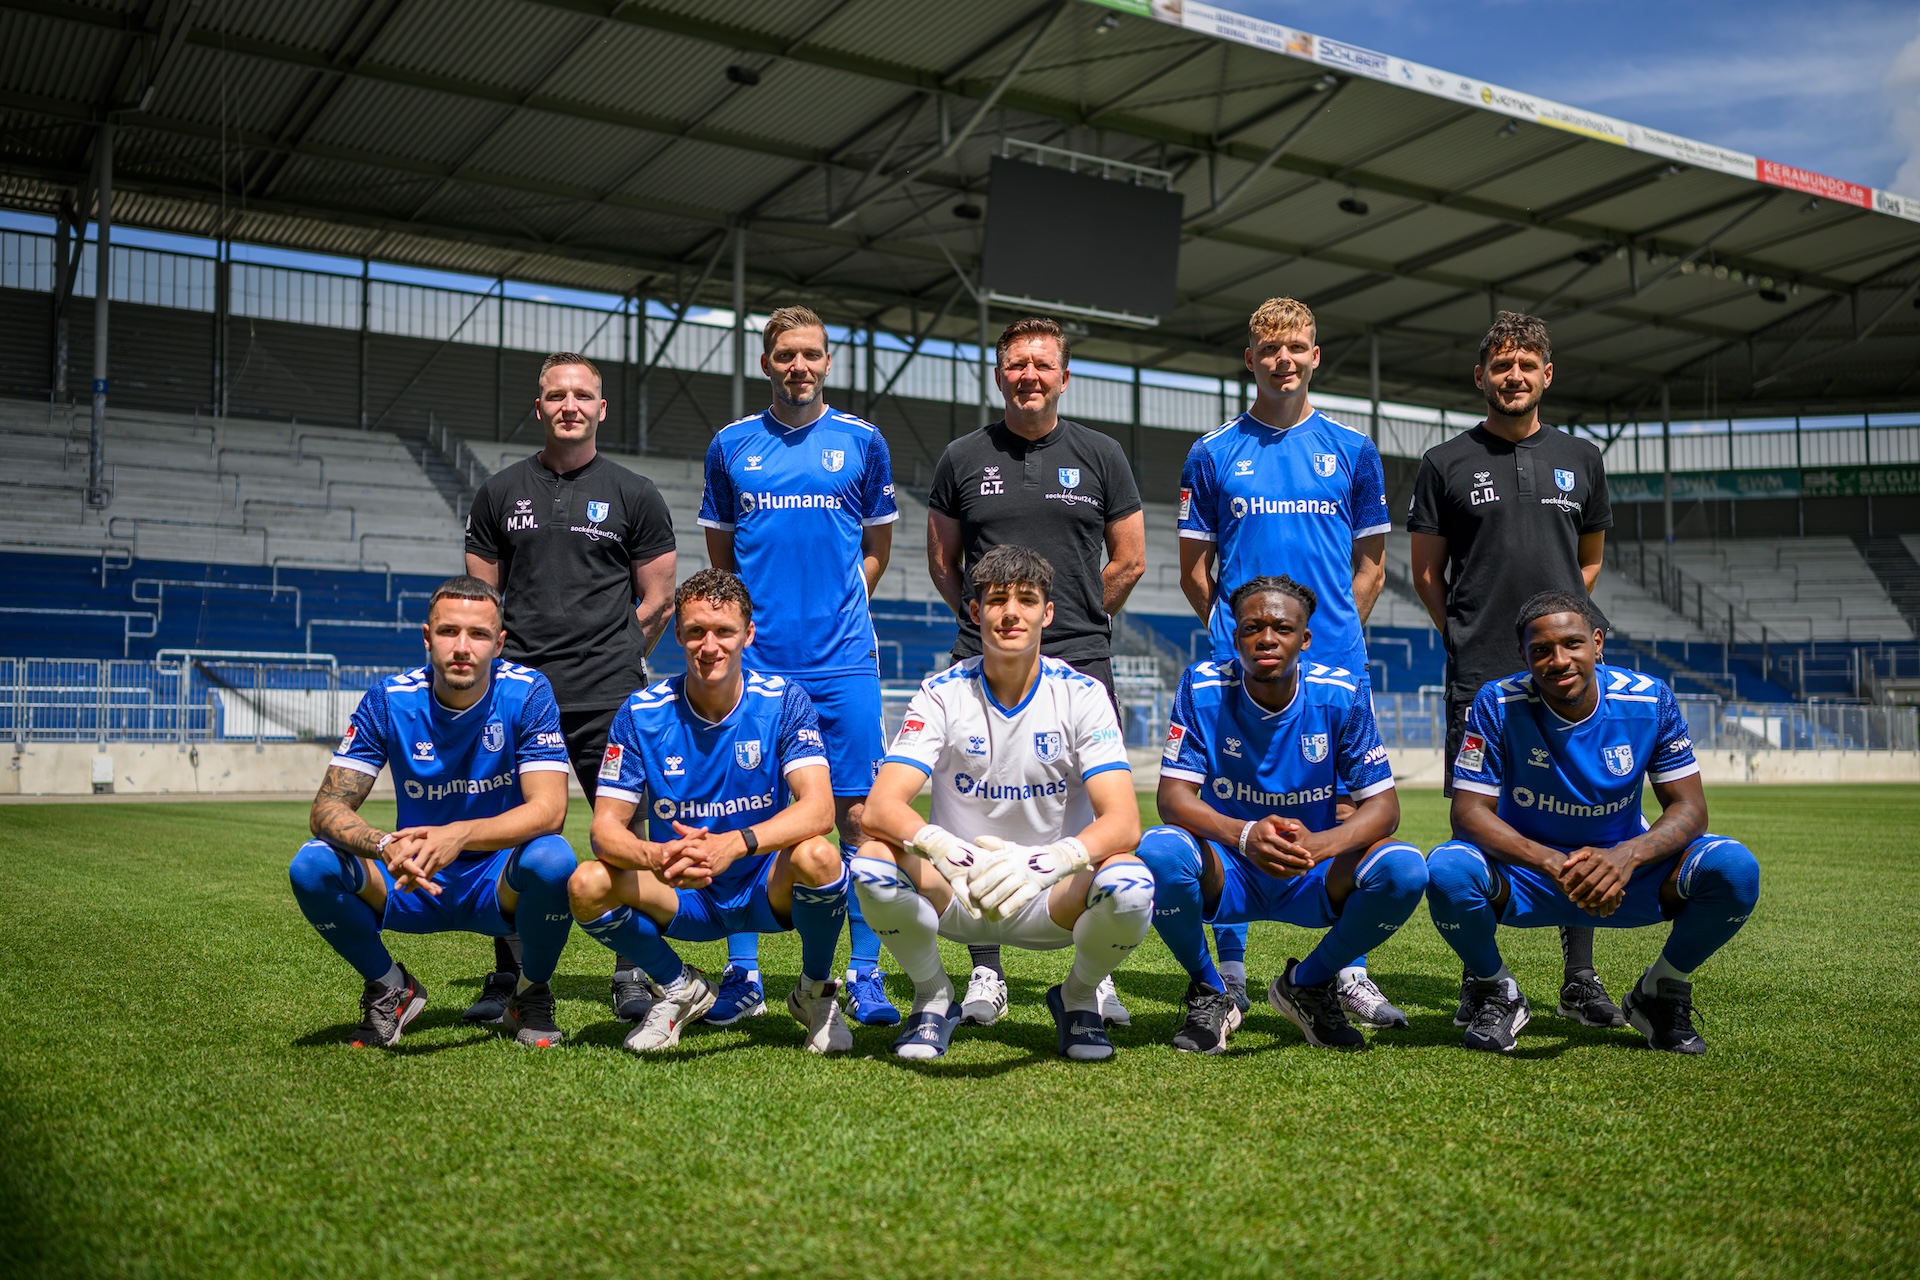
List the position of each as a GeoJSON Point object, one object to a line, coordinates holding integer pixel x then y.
{"type": "Point", "coordinates": [597, 511]}
{"type": "Point", "coordinates": [1046, 746]}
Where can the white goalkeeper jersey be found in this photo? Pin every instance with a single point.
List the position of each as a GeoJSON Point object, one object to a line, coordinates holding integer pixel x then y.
{"type": "Point", "coordinates": [1015, 772]}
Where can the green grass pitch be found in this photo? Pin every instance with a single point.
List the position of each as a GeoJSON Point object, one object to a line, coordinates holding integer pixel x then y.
{"type": "Point", "coordinates": [177, 1098]}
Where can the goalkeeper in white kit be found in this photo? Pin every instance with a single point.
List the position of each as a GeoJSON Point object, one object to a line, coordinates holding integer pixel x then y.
{"type": "Point", "coordinates": [1031, 836]}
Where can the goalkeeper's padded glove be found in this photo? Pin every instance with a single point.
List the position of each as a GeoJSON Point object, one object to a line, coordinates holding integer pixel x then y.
{"type": "Point", "coordinates": [954, 858]}
{"type": "Point", "coordinates": [1022, 873]}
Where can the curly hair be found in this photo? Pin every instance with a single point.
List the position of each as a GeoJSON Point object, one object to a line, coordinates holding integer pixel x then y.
{"type": "Point", "coordinates": [716, 587]}
{"type": "Point", "coordinates": [1516, 331]}
{"type": "Point", "coordinates": [1266, 582]}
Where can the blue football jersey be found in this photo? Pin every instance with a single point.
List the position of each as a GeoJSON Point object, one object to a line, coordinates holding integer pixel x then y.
{"type": "Point", "coordinates": [1250, 762]}
{"type": "Point", "coordinates": [1287, 501]}
{"type": "Point", "coordinates": [796, 501]}
{"type": "Point", "coordinates": [454, 766]}
{"type": "Point", "coordinates": [723, 775]}
{"type": "Point", "coordinates": [1568, 784]}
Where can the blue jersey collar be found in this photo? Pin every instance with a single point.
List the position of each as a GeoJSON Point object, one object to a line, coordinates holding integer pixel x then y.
{"type": "Point", "coordinates": [700, 720]}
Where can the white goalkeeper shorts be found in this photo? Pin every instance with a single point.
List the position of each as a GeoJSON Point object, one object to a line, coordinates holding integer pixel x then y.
{"type": "Point", "coordinates": [1032, 929]}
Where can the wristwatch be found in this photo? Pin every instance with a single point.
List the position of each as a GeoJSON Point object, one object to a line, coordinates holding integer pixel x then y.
{"type": "Point", "coordinates": [752, 840]}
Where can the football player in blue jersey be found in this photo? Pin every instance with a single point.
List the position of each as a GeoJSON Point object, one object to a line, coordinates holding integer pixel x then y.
{"type": "Point", "coordinates": [480, 779]}
{"type": "Point", "coordinates": [799, 502]}
{"type": "Point", "coordinates": [719, 850]}
{"type": "Point", "coordinates": [1284, 488]}
{"type": "Point", "coordinates": [1548, 829]}
{"type": "Point", "coordinates": [1257, 749]}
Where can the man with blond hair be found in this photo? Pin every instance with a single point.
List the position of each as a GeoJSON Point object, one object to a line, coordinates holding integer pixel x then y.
{"type": "Point", "coordinates": [799, 503]}
{"type": "Point", "coordinates": [1037, 480]}
{"type": "Point", "coordinates": [582, 550]}
{"type": "Point", "coordinates": [1282, 488]}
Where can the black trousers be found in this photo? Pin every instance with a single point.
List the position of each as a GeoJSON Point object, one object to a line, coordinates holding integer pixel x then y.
{"type": "Point", "coordinates": [586, 733]}
{"type": "Point", "coordinates": [1456, 730]}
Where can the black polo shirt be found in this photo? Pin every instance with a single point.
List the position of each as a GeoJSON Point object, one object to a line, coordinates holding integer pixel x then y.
{"type": "Point", "coordinates": [566, 546]}
{"type": "Point", "coordinates": [1056, 495]}
{"type": "Point", "coordinates": [1512, 515]}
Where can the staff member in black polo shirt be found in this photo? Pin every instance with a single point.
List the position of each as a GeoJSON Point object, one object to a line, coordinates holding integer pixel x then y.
{"type": "Point", "coordinates": [1035, 479]}
{"type": "Point", "coordinates": [582, 549]}
{"type": "Point", "coordinates": [1500, 512]}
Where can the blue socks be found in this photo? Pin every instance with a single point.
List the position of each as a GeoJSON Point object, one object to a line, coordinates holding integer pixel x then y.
{"type": "Point", "coordinates": [743, 949]}
{"type": "Point", "coordinates": [635, 936]}
{"type": "Point", "coordinates": [1720, 880]}
{"type": "Point", "coordinates": [539, 874]}
{"type": "Point", "coordinates": [327, 887]}
{"type": "Point", "coordinates": [1230, 943]}
{"type": "Point", "coordinates": [1460, 898]}
{"type": "Point", "coordinates": [1386, 888]}
{"type": "Point", "coordinates": [1173, 857]}
{"type": "Point", "coordinates": [817, 914]}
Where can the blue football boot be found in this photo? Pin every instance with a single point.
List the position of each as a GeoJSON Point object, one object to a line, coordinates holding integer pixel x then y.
{"type": "Point", "coordinates": [867, 999]}
{"type": "Point", "coordinates": [741, 996]}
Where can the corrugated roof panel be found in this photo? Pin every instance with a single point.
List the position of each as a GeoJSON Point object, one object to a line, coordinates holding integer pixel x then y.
{"type": "Point", "coordinates": [54, 59]}
{"type": "Point", "coordinates": [495, 42]}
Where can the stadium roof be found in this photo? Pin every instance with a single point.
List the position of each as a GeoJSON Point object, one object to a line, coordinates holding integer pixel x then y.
{"type": "Point", "coordinates": [615, 145]}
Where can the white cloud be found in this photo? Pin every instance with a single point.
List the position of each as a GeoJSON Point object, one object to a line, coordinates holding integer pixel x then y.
{"type": "Point", "coordinates": [1903, 95]}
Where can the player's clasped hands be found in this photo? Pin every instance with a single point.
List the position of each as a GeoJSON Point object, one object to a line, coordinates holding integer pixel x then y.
{"type": "Point", "coordinates": [1276, 846]}
{"type": "Point", "coordinates": [416, 855]}
{"type": "Point", "coordinates": [1596, 879]}
{"type": "Point", "coordinates": [1016, 874]}
{"type": "Point", "coordinates": [693, 859]}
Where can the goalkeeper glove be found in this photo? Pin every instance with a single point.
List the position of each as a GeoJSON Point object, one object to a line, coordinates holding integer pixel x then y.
{"type": "Point", "coordinates": [1009, 882]}
{"type": "Point", "coordinates": [954, 858]}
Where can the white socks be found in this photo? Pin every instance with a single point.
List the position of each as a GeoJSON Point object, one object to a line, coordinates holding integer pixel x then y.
{"type": "Point", "coordinates": [908, 925]}
{"type": "Point", "coordinates": [1660, 968]}
{"type": "Point", "coordinates": [1233, 969]}
{"type": "Point", "coordinates": [1116, 922]}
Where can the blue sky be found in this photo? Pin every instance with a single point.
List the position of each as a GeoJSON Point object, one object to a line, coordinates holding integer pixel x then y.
{"type": "Point", "coordinates": [1832, 87]}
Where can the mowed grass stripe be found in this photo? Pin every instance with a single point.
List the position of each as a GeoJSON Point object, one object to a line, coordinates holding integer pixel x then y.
{"type": "Point", "coordinates": [178, 1098]}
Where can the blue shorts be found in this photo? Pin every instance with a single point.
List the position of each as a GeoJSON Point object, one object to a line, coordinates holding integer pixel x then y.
{"type": "Point", "coordinates": [469, 900]}
{"type": "Point", "coordinates": [737, 904]}
{"type": "Point", "coordinates": [1251, 894]}
{"type": "Point", "coordinates": [1534, 901]}
{"type": "Point", "coordinates": [849, 710]}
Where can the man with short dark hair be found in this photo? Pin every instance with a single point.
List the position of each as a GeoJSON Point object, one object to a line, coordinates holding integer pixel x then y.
{"type": "Point", "coordinates": [1511, 508]}
{"type": "Point", "coordinates": [799, 502]}
{"type": "Point", "coordinates": [1030, 836]}
{"type": "Point", "coordinates": [1257, 749]}
{"type": "Point", "coordinates": [1038, 480]}
{"type": "Point", "coordinates": [479, 771]}
{"type": "Point", "coordinates": [1547, 829]}
{"type": "Point", "coordinates": [582, 550]}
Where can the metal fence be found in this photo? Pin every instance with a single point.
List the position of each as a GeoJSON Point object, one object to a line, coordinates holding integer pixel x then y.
{"type": "Point", "coordinates": [180, 696]}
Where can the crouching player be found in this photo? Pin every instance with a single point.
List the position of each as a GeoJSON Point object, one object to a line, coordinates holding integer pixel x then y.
{"type": "Point", "coordinates": [1255, 754]}
{"type": "Point", "coordinates": [1030, 838]}
{"type": "Point", "coordinates": [1548, 830]}
{"type": "Point", "coordinates": [710, 753]}
{"type": "Point", "coordinates": [480, 780]}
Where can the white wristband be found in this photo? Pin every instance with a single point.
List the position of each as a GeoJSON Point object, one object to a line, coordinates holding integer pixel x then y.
{"type": "Point", "coordinates": [1244, 833]}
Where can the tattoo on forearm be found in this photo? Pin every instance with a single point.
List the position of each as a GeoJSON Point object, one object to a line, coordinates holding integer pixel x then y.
{"type": "Point", "coordinates": [336, 817]}
{"type": "Point", "coordinates": [1671, 832]}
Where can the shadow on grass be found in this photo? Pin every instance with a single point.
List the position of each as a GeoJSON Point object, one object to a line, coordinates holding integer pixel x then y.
{"type": "Point", "coordinates": [342, 1033]}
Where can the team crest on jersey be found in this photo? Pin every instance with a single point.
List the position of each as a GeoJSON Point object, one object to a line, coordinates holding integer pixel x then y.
{"type": "Point", "coordinates": [1564, 479]}
{"type": "Point", "coordinates": [1069, 477]}
{"type": "Point", "coordinates": [1176, 734]}
{"type": "Point", "coordinates": [833, 459]}
{"type": "Point", "coordinates": [1046, 746]}
{"type": "Point", "coordinates": [597, 511]}
{"type": "Point", "coordinates": [1473, 753]}
{"type": "Point", "coordinates": [610, 762]}
{"type": "Point", "coordinates": [747, 754]}
{"type": "Point", "coordinates": [423, 751]}
{"type": "Point", "coordinates": [346, 740]}
{"type": "Point", "coordinates": [1619, 759]}
{"type": "Point", "coordinates": [1325, 464]}
{"type": "Point", "coordinates": [494, 736]}
{"type": "Point", "coordinates": [1314, 747]}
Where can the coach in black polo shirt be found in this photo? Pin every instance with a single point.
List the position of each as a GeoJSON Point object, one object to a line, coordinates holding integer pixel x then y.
{"type": "Point", "coordinates": [1035, 479]}
{"type": "Point", "coordinates": [582, 549]}
{"type": "Point", "coordinates": [1508, 509]}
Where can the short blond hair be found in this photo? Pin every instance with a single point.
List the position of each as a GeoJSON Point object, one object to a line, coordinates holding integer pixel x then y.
{"type": "Point", "coordinates": [1280, 315]}
{"type": "Point", "coordinates": [787, 318]}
